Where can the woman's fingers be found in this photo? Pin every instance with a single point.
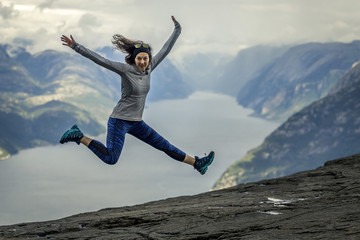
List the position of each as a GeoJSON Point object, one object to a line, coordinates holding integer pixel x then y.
{"type": "Point", "coordinates": [67, 41]}
{"type": "Point", "coordinates": [64, 38]}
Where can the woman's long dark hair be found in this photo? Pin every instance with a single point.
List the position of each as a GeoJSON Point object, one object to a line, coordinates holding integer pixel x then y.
{"type": "Point", "coordinates": [126, 45]}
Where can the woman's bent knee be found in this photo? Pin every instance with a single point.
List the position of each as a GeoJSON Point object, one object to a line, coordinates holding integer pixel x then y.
{"type": "Point", "coordinates": [111, 159]}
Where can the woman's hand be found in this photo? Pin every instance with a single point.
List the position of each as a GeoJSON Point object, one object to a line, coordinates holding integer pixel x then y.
{"type": "Point", "coordinates": [174, 20]}
{"type": "Point", "coordinates": [176, 23]}
{"type": "Point", "coordinates": [68, 41]}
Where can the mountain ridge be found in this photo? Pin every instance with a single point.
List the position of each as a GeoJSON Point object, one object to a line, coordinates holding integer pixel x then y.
{"type": "Point", "coordinates": [327, 128]}
{"type": "Point", "coordinates": [303, 74]}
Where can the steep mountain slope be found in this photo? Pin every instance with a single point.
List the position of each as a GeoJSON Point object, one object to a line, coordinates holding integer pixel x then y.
{"type": "Point", "coordinates": [247, 64]}
{"type": "Point", "coordinates": [26, 122]}
{"type": "Point", "coordinates": [327, 129]}
{"type": "Point", "coordinates": [14, 78]}
{"type": "Point", "coordinates": [300, 76]}
{"type": "Point", "coordinates": [167, 83]}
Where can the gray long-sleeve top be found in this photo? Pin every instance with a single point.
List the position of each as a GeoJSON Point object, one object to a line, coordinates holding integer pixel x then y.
{"type": "Point", "coordinates": [135, 84]}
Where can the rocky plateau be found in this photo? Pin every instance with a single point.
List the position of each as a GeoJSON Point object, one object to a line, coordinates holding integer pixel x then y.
{"type": "Point", "coordinates": [323, 203]}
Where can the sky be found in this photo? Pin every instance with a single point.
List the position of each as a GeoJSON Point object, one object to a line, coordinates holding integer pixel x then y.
{"type": "Point", "coordinates": [217, 26]}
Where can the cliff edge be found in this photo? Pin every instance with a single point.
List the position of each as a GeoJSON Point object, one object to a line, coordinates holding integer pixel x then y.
{"type": "Point", "coordinates": [319, 204]}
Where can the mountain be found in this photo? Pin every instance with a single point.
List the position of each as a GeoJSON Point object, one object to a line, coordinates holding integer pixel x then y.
{"type": "Point", "coordinates": [14, 77]}
{"type": "Point", "coordinates": [67, 75]}
{"type": "Point", "coordinates": [203, 71]}
{"type": "Point", "coordinates": [27, 127]}
{"type": "Point", "coordinates": [327, 129]}
{"type": "Point", "coordinates": [167, 83]}
{"type": "Point", "coordinates": [224, 73]}
{"type": "Point", "coordinates": [27, 118]}
{"type": "Point", "coordinates": [319, 204]}
{"type": "Point", "coordinates": [247, 64]}
{"type": "Point", "coordinates": [303, 74]}
{"type": "Point", "coordinates": [47, 92]}
{"type": "Point", "coordinates": [351, 78]}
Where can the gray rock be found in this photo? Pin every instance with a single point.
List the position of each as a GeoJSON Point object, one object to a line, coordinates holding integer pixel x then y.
{"type": "Point", "coordinates": [319, 204]}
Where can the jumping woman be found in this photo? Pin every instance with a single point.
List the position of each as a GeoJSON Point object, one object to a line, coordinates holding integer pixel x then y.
{"type": "Point", "coordinates": [127, 114]}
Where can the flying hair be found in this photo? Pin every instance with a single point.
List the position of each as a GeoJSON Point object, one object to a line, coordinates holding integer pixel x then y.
{"type": "Point", "coordinates": [127, 46]}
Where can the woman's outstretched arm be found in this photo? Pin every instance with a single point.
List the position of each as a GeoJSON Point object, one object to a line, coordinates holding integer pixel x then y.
{"type": "Point", "coordinates": [117, 67]}
{"type": "Point", "coordinates": [167, 46]}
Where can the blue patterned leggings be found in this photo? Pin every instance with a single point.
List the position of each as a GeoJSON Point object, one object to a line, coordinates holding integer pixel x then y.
{"type": "Point", "coordinates": [116, 131]}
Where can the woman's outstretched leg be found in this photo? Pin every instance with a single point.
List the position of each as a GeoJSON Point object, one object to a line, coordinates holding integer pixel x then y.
{"type": "Point", "coordinates": [117, 129]}
{"type": "Point", "coordinates": [114, 142]}
{"type": "Point", "coordinates": [145, 133]}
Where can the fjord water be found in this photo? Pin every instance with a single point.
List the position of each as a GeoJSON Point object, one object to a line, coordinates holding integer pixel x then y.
{"type": "Point", "coordinates": [57, 181]}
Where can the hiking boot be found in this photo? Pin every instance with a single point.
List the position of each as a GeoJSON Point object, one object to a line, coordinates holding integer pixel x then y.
{"type": "Point", "coordinates": [72, 135]}
{"type": "Point", "coordinates": [201, 164]}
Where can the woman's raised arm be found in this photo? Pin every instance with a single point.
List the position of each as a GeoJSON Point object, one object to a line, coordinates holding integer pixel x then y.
{"type": "Point", "coordinates": [164, 51]}
{"type": "Point", "coordinates": [117, 67]}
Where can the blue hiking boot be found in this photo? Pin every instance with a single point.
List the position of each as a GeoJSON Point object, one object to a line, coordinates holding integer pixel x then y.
{"type": "Point", "coordinates": [72, 135]}
{"type": "Point", "coordinates": [201, 164]}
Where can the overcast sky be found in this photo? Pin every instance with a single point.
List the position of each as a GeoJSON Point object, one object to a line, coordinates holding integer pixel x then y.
{"type": "Point", "coordinates": [208, 25]}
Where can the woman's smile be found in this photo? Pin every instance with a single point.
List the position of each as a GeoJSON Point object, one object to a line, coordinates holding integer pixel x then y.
{"type": "Point", "coordinates": [142, 61]}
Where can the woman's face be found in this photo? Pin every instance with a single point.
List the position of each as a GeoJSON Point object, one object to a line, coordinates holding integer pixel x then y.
{"type": "Point", "coordinates": [142, 61]}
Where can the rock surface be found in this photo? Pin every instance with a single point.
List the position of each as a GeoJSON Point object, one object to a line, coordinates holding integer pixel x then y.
{"type": "Point", "coordinates": [319, 204]}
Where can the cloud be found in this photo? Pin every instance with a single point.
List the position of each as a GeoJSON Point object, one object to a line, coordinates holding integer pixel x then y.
{"type": "Point", "coordinates": [89, 21]}
{"type": "Point", "coordinates": [46, 4]}
{"type": "Point", "coordinates": [222, 26]}
{"type": "Point", "coordinates": [8, 12]}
